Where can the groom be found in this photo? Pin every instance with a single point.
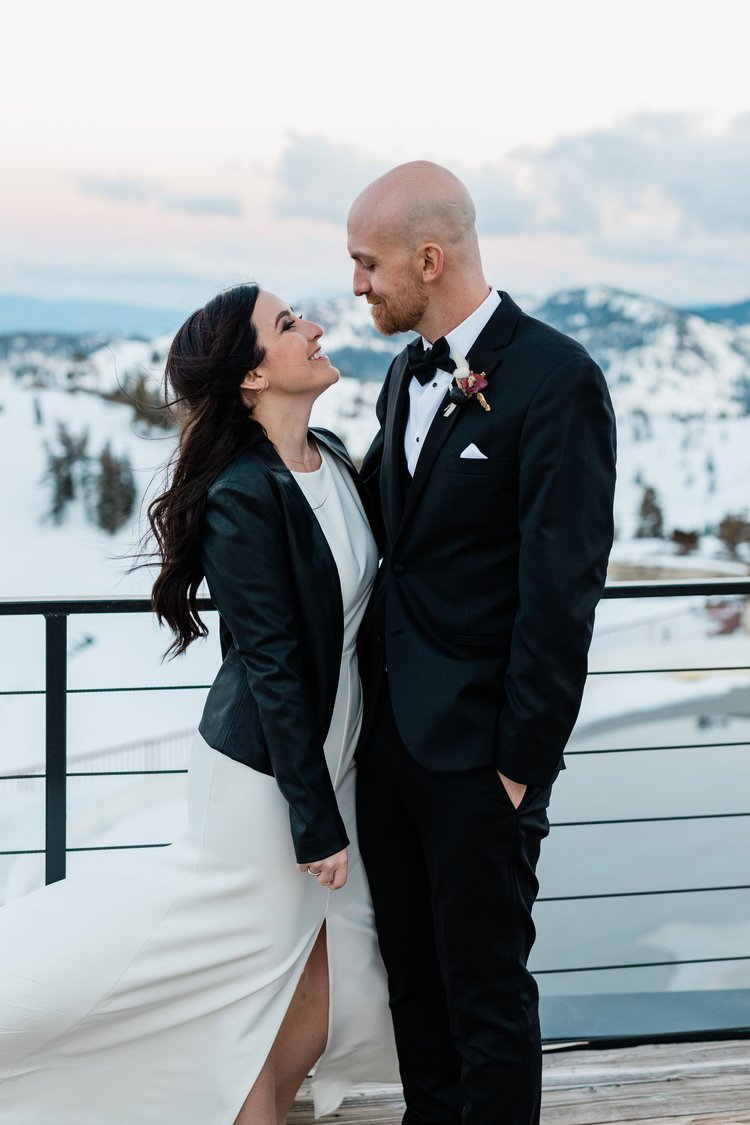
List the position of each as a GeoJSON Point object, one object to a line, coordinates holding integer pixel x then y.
{"type": "Point", "coordinates": [496, 502]}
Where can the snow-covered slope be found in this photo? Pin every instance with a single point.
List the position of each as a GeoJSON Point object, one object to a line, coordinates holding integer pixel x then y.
{"type": "Point", "coordinates": [680, 384]}
{"type": "Point", "coordinates": [658, 360]}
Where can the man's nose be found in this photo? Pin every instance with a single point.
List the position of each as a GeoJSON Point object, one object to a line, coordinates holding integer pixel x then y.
{"type": "Point", "coordinates": [361, 285]}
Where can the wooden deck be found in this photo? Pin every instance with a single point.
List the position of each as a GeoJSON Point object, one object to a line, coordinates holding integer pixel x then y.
{"type": "Point", "coordinates": [664, 1084]}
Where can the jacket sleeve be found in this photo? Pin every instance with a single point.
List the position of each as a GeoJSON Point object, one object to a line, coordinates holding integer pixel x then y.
{"type": "Point", "coordinates": [247, 567]}
{"type": "Point", "coordinates": [566, 491]}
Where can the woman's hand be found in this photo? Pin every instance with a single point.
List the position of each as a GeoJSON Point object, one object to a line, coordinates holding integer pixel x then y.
{"type": "Point", "coordinates": [329, 872]}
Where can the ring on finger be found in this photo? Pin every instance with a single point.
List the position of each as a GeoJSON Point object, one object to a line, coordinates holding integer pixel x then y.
{"type": "Point", "coordinates": [315, 874]}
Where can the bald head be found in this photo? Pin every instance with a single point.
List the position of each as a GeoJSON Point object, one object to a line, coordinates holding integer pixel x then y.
{"type": "Point", "coordinates": [412, 237]}
{"type": "Point", "coordinates": [418, 202]}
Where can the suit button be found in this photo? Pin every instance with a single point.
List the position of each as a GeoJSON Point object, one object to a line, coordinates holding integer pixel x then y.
{"type": "Point", "coordinates": [398, 570]}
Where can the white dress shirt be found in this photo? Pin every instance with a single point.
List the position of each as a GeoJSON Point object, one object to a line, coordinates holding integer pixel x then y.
{"type": "Point", "coordinates": [425, 400]}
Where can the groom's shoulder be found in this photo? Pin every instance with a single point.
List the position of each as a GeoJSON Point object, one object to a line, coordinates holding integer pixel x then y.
{"type": "Point", "coordinates": [555, 346]}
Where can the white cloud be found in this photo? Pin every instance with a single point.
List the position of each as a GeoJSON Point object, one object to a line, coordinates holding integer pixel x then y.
{"type": "Point", "coordinates": [130, 190]}
{"type": "Point", "coordinates": [318, 178]}
{"type": "Point", "coordinates": [651, 165]}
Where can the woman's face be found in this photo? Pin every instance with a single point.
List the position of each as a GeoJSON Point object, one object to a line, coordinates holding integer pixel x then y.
{"type": "Point", "coordinates": [294, 361]}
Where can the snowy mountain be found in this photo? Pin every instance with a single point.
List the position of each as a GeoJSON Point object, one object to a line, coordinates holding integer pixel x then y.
{"type": "Point", "coordinates": [659, 361]}
{"type": "Point", "coordinates": [736, 314]}
{"type": "Point", "coordinates": [680, 384]}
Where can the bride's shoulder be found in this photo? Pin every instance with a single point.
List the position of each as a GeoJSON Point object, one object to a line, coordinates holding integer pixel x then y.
{"type": "Point", "coordinates": [250, 471]}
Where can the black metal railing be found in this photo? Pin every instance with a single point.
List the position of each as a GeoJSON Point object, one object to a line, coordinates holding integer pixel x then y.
{"type": "Point", "coordinates": [56, 613]}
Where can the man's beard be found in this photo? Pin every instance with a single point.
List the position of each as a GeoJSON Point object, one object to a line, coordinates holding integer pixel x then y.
{"type": "Point", "coordinates": [400, 314]}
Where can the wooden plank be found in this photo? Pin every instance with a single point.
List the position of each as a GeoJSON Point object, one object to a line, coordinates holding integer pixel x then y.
{"type": "Point", "coordinates": [657, 1061]}
{"type": "Point", "coordinates": [660, 1084]}
{"type": "Point", "coordinates": [366, 1105]}
{"type": "Point", "coordinates": [673, 1099]}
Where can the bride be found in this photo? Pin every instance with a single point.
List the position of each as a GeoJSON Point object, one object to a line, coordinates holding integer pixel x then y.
{"type": "Point", "coordinates": [200, 985]}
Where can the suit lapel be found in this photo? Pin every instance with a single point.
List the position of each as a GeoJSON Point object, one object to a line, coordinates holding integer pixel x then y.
{"type": "Point", "coordinates": [484, 355]}
{"type": "Point", "coordinates": [496, 334]}
{"type": "Point", "coordinates": [391, 491]}
{"type": "Point", "coordinates": [433, 443]}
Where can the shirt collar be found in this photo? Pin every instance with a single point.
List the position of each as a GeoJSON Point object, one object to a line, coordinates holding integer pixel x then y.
{"type": "Point", "coordinates": [461, 338]}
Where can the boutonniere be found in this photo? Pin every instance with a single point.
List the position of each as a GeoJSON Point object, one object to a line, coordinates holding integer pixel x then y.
{"type": "Point", "coordinates": [466, 384]}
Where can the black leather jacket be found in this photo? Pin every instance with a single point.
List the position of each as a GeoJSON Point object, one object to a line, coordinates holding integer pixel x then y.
{"type": "Point", "coordinates": [275, 584]}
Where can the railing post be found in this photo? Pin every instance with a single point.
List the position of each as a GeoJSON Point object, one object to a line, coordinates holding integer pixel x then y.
{"type": "Point", "coordinates": [56, 745]}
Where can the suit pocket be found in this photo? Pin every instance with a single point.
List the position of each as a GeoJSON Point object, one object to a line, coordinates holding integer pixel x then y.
{"type": "Point", "coordinates": [504, 795]}
{"type": "Point", "coordinates": [479, 466]}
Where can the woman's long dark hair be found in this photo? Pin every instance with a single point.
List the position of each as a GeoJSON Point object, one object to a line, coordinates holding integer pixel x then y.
{"type": "Point", "coordinates": [209, 357]}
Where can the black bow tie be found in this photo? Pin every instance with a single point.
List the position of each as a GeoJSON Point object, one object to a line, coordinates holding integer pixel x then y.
{"type": "Point", "coordinates": [424, 364]}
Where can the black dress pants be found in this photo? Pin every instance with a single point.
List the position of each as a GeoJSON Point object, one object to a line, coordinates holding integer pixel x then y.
{"type": "Point", "coordinates": [451, 866]}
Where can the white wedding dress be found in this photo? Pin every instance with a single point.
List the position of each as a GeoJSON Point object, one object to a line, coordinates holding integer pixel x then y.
{"type": "Point", "coordinates": [153, 996]}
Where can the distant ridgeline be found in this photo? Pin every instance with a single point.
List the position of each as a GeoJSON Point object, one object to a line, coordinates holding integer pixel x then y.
{"type": "Point", "coordinates": [656, 358]}
{"type": "Point", "coordinates": [680, 382]}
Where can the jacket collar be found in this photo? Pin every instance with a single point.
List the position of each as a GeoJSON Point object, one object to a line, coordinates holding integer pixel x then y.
{"type": "Point", "coordinates": [266, 451]}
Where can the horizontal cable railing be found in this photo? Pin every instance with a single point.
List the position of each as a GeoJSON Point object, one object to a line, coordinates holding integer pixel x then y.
{"type": "Point", "coordinates": [55, 772]}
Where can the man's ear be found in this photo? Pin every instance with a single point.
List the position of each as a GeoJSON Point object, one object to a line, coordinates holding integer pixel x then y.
{"type": "Point", "coordinates": [431, 259]}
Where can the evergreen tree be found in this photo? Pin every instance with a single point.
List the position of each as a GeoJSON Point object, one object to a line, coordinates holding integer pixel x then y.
{"type": "Point", "coordinates": [66, 469]}
{"type": "Point", "coordinates": [734, 531]}
{"type": "Point", "coordinates": [650, 516]}
{"type": "Point", "coordinates": [148, 406]}
{"type": "Point", "coordinates": [115, 492]}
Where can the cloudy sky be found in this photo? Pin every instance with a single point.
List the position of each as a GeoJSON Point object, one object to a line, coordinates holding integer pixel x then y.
{"type": "Point", "coordinates": [156, 152]}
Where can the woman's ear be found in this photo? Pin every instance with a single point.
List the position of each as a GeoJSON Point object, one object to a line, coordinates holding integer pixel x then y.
{"type": "Point", "coordinates": [254, 381]}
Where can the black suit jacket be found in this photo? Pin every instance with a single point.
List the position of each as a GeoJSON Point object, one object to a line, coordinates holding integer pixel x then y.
{"type": "Point", "coordinates": [275, 584]}
{"type": "Point", "coordinates": [484, 605]}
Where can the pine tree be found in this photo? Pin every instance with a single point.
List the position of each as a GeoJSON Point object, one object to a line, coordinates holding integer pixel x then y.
{"type": "Point", "coordinates": [148, 406]}
{"type": "Point", "coordinates": [66, 469]}
{"type": "Point", "coordinates": [115, 492]}
{"type": "Point", "coordinates": [650, 516]}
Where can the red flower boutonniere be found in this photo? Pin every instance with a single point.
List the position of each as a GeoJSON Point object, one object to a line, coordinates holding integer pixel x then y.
{"type": "Point", "coordinates": [466, 384]}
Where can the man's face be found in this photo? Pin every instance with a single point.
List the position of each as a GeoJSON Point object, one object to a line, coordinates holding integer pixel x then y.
{"type": "Point", "coordinates": [386, 273]}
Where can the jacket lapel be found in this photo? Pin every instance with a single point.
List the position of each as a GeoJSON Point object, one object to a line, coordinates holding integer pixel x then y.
{"type": "Point", "coordinates": [433, 443]}
{"type": "Point", "coordinates": [391, 490]}
{"type": "Point", "coordinates": [334, 443]}
{"type": "Point", "coordinates": [312, 556]}
{"type": "Point", "coordinates": [484, 355]}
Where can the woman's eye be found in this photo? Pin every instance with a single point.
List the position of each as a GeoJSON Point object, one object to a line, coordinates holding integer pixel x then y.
{"type": "Point", "coordinates": [288, 324]}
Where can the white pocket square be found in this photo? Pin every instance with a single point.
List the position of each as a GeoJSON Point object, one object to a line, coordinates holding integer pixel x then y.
{"type": "Point", "coordinates": [472, 453]}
